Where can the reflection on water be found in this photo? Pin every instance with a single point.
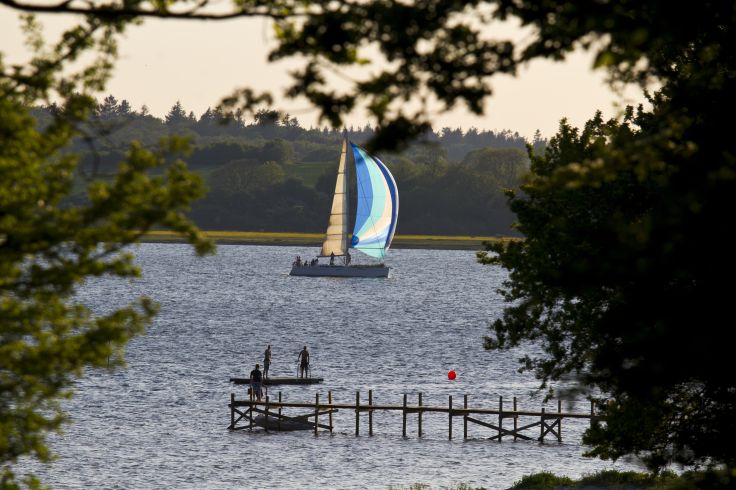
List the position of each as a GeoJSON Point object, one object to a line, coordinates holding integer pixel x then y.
{"type": "Point", "coordinates": [162, 423]}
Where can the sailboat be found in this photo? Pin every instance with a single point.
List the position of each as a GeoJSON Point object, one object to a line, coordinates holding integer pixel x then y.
{"type": "Point", "coordinates": [375, 220]}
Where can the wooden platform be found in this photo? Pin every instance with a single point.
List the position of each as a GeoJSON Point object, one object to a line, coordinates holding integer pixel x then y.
{"type": "Point", "coordinates": [276, 380]}
{"type": "Point", "coordinates": [545, 424]}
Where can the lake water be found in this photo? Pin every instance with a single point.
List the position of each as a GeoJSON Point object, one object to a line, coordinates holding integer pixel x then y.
{"type": "Point", "coordinates": [162, 422]}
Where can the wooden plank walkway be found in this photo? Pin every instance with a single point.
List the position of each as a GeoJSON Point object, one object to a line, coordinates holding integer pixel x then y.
{"type": "Point", "coordinates": [279, 380]}
{"type": "Point", "coordinates": [549, 424]}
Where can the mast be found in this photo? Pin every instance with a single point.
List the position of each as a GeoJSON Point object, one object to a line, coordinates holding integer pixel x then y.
{"type": "Point", "coordinates": [346, 170]}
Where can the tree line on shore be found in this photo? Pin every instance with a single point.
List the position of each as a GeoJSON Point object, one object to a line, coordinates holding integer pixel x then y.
{"type": "Point", "coordinates": [274, 175]}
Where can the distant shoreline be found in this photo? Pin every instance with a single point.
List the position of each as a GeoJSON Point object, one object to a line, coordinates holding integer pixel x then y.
{"type": "Point", "coordinates": [436, 242]}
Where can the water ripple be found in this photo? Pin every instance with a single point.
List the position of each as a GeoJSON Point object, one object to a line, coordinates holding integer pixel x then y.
{"type": "Point", "coordinates": [162, 422]}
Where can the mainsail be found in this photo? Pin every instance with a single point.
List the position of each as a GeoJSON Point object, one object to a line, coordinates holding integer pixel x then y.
{"type": "Point", "coordinates": [378, 205]}
{"type": "Point", "coordinates": [336, 240]}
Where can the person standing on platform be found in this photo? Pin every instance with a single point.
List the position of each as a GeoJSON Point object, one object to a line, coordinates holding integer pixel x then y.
{"type": "Point", "coordinates": [256, 378]}
{"type": "Point", "coordinates": [266, 361]}
{"type": "Point", "coordinates": [303, 361]}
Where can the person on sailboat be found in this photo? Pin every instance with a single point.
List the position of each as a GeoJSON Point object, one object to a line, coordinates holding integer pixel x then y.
{"type": "Point", "coordinates": [332, 258]}
{"type": "Point", "coordinates": [347, 258]}
{"type": "Point", "coordinates": [266, 361]}
{"type": "Point", "coordinates": [303, 360]}
{"type": "Point", "coordinates": [256, 378]}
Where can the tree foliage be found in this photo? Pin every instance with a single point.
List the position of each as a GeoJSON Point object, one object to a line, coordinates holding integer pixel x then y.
{"type": "Point", "coordinates": [433, 54]}
{"type": "Point", "coordinates": [51, 241]}
{"type": "Point", "coordinates": [439, 52]}
{"type": "Point", "coordinates": [243, 176]}
{"type": "Point", "coordinates": [508, 166]}
{"type": "Point", "coordinates": [620, 276]}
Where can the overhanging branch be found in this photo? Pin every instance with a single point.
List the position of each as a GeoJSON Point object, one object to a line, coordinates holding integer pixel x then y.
{"type": "Point", "coordinates": [110, 11]}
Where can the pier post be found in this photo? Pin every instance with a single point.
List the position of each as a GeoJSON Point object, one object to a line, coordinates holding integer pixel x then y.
{"type": "Point", "coordinates": [329, 400]}
{"type": "Point", "coordinates": [541, 428]}
{"type": "Point", "coordinates": [559, 421]}
{"type": "Point", "coordinates": [316, 412]}
{"type": "Point", "coordinates": [250, 408]}
{"type": "Point", "coordinates": [357, 413]}
{"type": "Point", "coordinates": [515, 418]}
{"type": "Point", "coordinates": [265, 418]}
{"type": "Point", "coordinates": [500, 418]}
{"type": "Point", "coordinates": [232, 411]}
{"type": "Point", "coordinates": [465, 416]}
{"type": "Point", "coordinates": [449, 417]}
{"type": "Point", "coordinates": [592, 405]}
{"type": "Point", "coordinates": [403, 418]}
{"type": "Point", "coordinates": [279, 422]}
{"type": "Point", "coordinates": [370, 412]}
{"type": "Point", "coordinates": [419, 432]}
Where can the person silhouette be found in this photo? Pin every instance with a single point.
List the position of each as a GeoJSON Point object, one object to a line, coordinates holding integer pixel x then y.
{"type": "Point", "coordinates": [256, 378]}
{"type": "Point", "coordinates": [303, 360]}
{"type": "Point", "coordinates": [266, 361]}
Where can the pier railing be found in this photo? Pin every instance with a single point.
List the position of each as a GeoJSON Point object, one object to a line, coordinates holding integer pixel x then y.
{"type": "Point", "coordinates": [272, 416]}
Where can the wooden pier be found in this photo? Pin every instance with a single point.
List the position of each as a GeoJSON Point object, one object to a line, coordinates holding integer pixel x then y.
{"type": "Point", "coordinates": [270, 416]}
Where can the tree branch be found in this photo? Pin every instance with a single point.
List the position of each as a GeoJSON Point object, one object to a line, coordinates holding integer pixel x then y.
{"type": "Point", "coordinates": [104, 11]}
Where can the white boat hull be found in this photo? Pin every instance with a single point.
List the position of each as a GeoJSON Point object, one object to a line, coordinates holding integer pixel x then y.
{"type": "Point", "coordinates": [340, 270]}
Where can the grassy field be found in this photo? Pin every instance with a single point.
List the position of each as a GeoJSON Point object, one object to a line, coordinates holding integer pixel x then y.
{"type": "Point", "coordinates": [315, 239]}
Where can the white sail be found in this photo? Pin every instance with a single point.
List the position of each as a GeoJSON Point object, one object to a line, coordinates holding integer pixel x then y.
{"type": "Point", "coordinates": [336, 239]}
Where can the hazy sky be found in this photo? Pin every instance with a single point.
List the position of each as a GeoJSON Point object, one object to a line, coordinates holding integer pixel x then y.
{"type": "Point", "coordinates": [200, 62]}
